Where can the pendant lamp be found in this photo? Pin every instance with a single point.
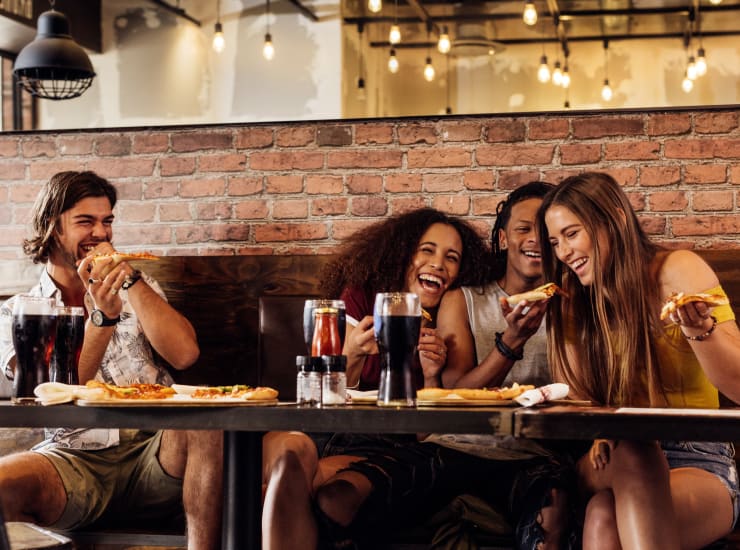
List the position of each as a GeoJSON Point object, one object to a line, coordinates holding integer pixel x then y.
{"type": "Point", "coordinates": [54, 66]}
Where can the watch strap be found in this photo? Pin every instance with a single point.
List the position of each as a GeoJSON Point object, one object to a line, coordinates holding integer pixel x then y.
{"type": "Point", "coordinates": [131, 280]}
{"type": "Point", "coordinates": [104, 321]}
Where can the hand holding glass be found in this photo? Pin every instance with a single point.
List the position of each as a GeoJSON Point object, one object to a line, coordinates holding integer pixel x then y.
{"type": "Point", "coordinates": [34, 332]}
{"type": "Point", "coordinates": [397, 323]}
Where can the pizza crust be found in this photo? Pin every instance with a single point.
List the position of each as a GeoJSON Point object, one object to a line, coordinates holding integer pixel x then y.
{"type": "Point", "coordinates": [540, 293]}
{"type": "Point", "coordinates": [679, 299]}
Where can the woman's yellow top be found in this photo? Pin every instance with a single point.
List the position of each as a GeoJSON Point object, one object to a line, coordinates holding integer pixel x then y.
{"type": "Point", "coordinates": [684, 380]}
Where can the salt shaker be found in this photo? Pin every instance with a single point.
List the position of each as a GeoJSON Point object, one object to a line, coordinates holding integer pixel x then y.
{"type": "Point", "coordinates": [308, 381]}
{"type": "Point", "coordinates": [334, 380]}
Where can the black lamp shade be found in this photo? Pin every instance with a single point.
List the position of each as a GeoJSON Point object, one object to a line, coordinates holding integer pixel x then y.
{"type": "Point", "coordinates": [54, 66]}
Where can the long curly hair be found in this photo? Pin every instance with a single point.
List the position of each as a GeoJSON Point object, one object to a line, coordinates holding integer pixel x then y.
{"type": "Point", "coordinates": [62, 192]}
{"type": "Point", "coordinates": [376, 258]}
{"type": "Point", "coordinates": [614, 319]}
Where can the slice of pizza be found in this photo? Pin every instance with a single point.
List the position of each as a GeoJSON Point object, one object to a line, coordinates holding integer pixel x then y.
{"type": "Point", "coordinates": [473, 394]}
{"type": "Point", "coordinates": [540, 293]}
{"type": "Point", "coordinates": [238, 391]}
{"type": "Point", "coordinates": [132, 391]}
{"type": "Point", "coordinates": [118, 257]}
{"type": "Point", "coordinates": [679, 299]}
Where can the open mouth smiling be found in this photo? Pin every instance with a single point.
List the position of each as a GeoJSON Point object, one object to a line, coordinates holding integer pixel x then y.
{"type": "Point", "coordinates": [431, 283]}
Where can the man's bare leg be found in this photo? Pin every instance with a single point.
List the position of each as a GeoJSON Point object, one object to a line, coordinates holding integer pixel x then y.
{"type": "Point", "coordinates": [31, 489]}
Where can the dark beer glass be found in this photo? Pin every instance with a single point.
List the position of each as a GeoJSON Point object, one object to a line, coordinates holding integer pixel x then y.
{"type": "Point", "coordinates": [335, 307]}
{"type": "Point", "coordinates": [397, 324]}
{"type": "Point", "coordinates": [67, 345]}
{"type": "Point", "coordinates": [34, 331]}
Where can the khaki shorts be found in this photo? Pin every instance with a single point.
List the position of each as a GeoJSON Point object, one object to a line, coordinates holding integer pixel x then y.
{"type": "Point", "coordinates": [125, 482]}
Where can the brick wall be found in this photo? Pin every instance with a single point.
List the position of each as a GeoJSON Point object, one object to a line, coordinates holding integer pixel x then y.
{"type": "Point", "coordinates": [287, 188]}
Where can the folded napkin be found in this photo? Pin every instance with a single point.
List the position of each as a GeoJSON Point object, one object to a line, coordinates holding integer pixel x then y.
{"type": "Point", "coordinates": [542, 394]}
{"type": "Point", "coordinates": [55, 393]}
{"type": "Point", "coordinates": [358, 396]}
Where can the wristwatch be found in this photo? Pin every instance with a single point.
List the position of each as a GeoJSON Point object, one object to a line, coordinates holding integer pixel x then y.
{"type": "Point", "coordinates": [99, 319]}
{"type": "Point", "coordinates": [132, 279]}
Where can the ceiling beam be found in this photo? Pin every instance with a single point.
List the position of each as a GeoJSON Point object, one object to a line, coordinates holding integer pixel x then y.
{"type": "Point", "coordinates": [177, 11]}
{"type": "Point", "coordinates": [305, 10]}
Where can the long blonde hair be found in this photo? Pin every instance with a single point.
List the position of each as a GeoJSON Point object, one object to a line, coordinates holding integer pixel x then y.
{"type": "Point", "coordinates": [615, 319]}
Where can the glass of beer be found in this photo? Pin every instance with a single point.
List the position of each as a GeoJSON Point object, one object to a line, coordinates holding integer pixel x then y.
{"type": "Point", "coordinates": [34, 332]}
{"type": "Point", "coordinates": [397, 324]}
{"type": "Point", "coordinates": [331, 314]}
{"type": "Point", "coordinates": [67, 345]}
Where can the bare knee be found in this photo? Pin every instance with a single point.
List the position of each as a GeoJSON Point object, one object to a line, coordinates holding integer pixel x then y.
{"type": "Point", "coordinates": [31, 489]}
{"type": "Point", "coordinates": [339, 500]}
{"type": "Point", "coordinates": [287, 453]}
{"type": "Point", "coordinates": [600, 524]}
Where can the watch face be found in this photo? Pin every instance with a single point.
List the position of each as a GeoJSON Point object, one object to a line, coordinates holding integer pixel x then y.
{"type": "Point", "coordinates": [97, 318]}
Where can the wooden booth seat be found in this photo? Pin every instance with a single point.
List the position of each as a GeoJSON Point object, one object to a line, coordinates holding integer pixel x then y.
{"type": "Point", "coordinates": [247, 312]}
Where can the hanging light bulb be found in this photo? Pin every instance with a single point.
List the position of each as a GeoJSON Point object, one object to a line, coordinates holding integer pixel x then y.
{"type": "Point", "coordinates": [444, 45]}
{"type": "Point", "coordinates": [394, 36]}
{"type": "Point", "coordinates": [566, 78]}
{"type": "Point", "coordinates": [543, 73]}
{"type": "Point", "coordinates": [218, 38]}
{"type": "Point", "coordinates": [429, 70]}
{"type": "Point", "coordinates": [268, 50]}
{"type": "Point", "coordinates": [557, 74]}
{"type": "Point", "coordinates": [374, 5]}
{"type": "Point", "coordinates": [393, 62]}
{"type": "Point", "coordinates": [530, 14]}
{"type": "Point", "coordinates": [687, 84]}
{"type": "Point", "coordinates": [701, 62]}
{"type": "Point", "coordinates": [691, 71]}
{"type": "Point", "coordinates": [606, 91]}
{"type": "Point", "coordinates": [715, 2]}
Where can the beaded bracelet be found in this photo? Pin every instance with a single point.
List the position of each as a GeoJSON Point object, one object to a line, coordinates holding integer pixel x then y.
{"type": "Point", "coordinates": [704, 335]}
{"type": "Point", "coordinates": [505, 350]}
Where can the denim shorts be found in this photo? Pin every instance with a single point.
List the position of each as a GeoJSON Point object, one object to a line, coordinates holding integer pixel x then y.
{"type": "Point", "coordinates": [715, 458]}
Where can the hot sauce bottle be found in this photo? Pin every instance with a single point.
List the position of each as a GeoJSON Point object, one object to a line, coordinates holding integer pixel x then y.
{"type": "Point", "coordinates": [326, 340]}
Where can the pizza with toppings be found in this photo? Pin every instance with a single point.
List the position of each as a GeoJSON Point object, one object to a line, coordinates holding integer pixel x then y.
{"type": "Point", "coordinates": [540, 293]}
{"type": "Point", "coordinates": [238, 391]}
{"type": "Point", "coordinates": [132, 391]}
{"type": "Point", "coordinates": [473, 394]}
{"type": "Point", "coordinates": [679, 299]}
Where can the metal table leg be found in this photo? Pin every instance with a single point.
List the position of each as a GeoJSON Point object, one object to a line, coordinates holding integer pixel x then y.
{"type": "Point", "coordinates": [242, 515]}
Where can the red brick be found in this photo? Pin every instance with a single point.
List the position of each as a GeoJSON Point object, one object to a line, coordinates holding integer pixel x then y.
{"type": "Point", "coordinates": [549, 128]}
{"type": "Point", "coordinates": [334, 136]}
{"type": "Point", "coordinates": [713, 200]}
{"type": "Point", "coordinates": [653, 225]}
{"type": "Point", "coordinates": [689, 149]}
{"type": "Point", "coordinates": [461, 131]}
{"type": "Point", "coordinates": [290, 209]}
{"type": "Point", "coordinates": [443, 183]}
{"type": "Point", "coordinates": [580, 153]}
{"type": "Point", "coordinates": [13, 170]}
{"type": "Point", "coordinates": [485, 205]}
{"type": "Point", "coordinates": [368, 206]}
{"type": "Point", "coordinates": [403, 182]}
{"type": "Point", "coordinates": [9, 147]}
{"type": "Point", "coordinates": [324, 184]}
{"type": "Point", "coordinates": [668, 124]}
{"type": "Point", "coordinates": [252, 250]}
{"type": "Point", "coordinates": [284, 184]}
{"type": "Point", "coordinates": [668, 201]}
{"type": "Point", "coordinates": [341, 229]}
{"type": "Point", "coordinates": [253, 138]}
{"type": "Point", "coordinates": [13, 236]}
{"type": "Point", "coordinates": [287, 232]}
{"type": "Point", "coordinates": [22, 214]}
{"type": "Point", "coordinates": [409, 134]}
{"type": "Point", "coordinates": [6, 214]}
{"type": "Point", "coordinates": [637, 200]}
{"type": "Point", "coordinates": [206, 187]}
{"type": "Point", "coordinates": [366, 134]}
{"type": "Point", "coordinates": [715, 123]}
{"type": "Point", "coordinates": [456, 205]}
{"type": "Point", "coordinates": [482, 180]}
{"type": "Point", "coordinates": [43, 170]}
{"type": "Point", "coordinates": [625, 176]}
{"type": "Point", "coordinates": [295, 137]}
{"type": "Point", "coordinates": [75, 145]}
{"type": "Point", "coordinates": [251, 209]}
{"type": "Point", "coordinates": [514, 155]}
{"type": "Point", "coordinates": [510, 180]}
{"type": "Point", "coordinates": [368, 158]}
{"type": "Point", "coordinates": [113, 145]}
{"type": "Point", "coordinates": [505, 130]}
{"type": "Point", "coordinates": [201, 140]}
{"type": "Point", "coordinates": [150, 143]}
{"type": "Point", "coordinates": [706, 225]}
{"type": "Point", "coordinates": [148, 233]}
{"type": "Point", "coordinates": [735, 174]}
{"type": "Point", "coordinates": [239, 186]}
{"type": "Point", "coordinates": [602, 126]}
{"type": "Point", "coordinates": [652, 176]}
{"type": "Point", "coordinates": [176, 166]}
{"type": "Point", "coordinates": [159, 189]}
{"type": "Point", "coordinates": [39, 147]}
{"type": "Point", "coordinates": [329, 207]}
{"type": "Point", "coordinates": [174, 212]}
{"type": "Point", "coordinates": [137, 212]}
{"type": "Point", "coordinates": [232, 162]}
{"type": "Point", "coordinates": [557, 175]}
{"type": "Point", "coordinates": [213, 210]}
{"type": "Point", "coordinates": [24, 193]}
{"type": "Point", "coordinates": [727, 148]}
{"type": "Point", "coordinates": [399, 205]}
{"type": "Point", "coordinates": [705, 173]}
{"type": "Point", "coordinates": [436, 157]}
{"type": "Point", "coordinates": [122, 167]}
{"type": "Point", "coordinates": [286, 160]}
{"type": "Point", "coordinates": [632, 150]}
{"type": "Point", "coordinates": [129, 190]}
{"type": "Point", "coordinates": [364, 183]}
{"type": "Point", "coordinates": [211, 232]}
